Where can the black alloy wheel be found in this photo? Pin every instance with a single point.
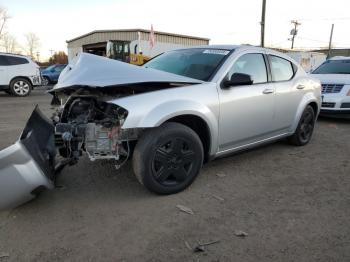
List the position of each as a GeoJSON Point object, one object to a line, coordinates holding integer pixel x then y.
{"type": "Point", "coordinates": [305, 128]}
{"type": "Point", "coordinates": [173, 161]}
{"type": "Point", "coordinates": [168, 158]}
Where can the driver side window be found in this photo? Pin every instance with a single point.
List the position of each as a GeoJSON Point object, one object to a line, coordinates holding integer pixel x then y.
{"type": "Point", "coordinates": [253, 65]}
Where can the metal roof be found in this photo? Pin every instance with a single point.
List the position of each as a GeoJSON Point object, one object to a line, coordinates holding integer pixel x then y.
{"type": "Point", "coordinates": [137, 30]}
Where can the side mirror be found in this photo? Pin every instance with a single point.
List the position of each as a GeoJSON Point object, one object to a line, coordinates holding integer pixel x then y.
{"type": "Point", "coordinates": [238, 79]}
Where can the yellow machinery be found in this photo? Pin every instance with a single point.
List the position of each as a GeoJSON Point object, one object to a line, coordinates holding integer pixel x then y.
{"type": "Point", "coordinates": [120, 50]}
{"type": "Point", "coordinates": [138, 59]}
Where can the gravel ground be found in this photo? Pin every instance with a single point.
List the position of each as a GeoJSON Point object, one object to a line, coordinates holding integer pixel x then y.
{"type": "Point", "coordinates": [293, 202]}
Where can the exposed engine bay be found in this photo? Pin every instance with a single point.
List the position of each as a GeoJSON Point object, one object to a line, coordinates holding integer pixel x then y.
{"type": "Point", "coordinates": [87, 124]}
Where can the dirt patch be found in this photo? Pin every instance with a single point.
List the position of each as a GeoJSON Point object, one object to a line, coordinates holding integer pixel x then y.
{"type": "Point", "coordinates": [292, 202]}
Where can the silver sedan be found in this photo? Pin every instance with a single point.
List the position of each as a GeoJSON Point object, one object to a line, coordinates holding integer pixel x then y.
{"type": "Point", "coordinates": [178, 111]}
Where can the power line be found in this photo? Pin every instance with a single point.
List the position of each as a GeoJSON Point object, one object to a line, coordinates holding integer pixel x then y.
{"type": "Point", "coordinates": [324, 19]}
{"type": "Point", "coordinates": [310, 39]}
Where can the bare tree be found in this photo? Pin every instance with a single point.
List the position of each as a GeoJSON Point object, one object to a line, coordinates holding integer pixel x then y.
{"type": "Point", "coordinates": [9, 43]}
{"type": "Point", "coordinates": [33, 43]}
{"type": "Point", "coordinates": [3, 19]}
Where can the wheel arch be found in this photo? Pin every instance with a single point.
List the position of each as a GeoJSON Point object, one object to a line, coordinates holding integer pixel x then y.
{"type": "Point", "coordinates": [48, 77]}
{"type": "Point", "coordinates": [308, 99]}
{"type": "Point", "coordinates": [314, 106]}
{"type": "Point", "coordinates": [199, 126]}
{"type": "Point", "coordinates": [24, 77]}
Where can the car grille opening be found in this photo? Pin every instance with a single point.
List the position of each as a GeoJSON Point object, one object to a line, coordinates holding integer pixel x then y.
{"type": "Point", "coordinates": [345, 105]}
{"type": "Point", "coordinates": [331, 88]}
{"type": "Point", "coordinates": [328, 104]}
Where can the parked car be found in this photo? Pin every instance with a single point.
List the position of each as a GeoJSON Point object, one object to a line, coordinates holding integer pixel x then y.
{"type": "Point", "coordinates": [334, 75]}
{"type": "Point", "coordinates": [18, 74]}
{"type": "Point", "coordinates": [51, 74]}
{"type": "Point", "coordinates": [178, 111]}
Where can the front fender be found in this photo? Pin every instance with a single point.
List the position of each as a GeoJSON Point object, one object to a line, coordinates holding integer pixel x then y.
{"type": "Point", "coordinates": [165, 111]}
{"type": "Point", "coordinates": [152, 109]}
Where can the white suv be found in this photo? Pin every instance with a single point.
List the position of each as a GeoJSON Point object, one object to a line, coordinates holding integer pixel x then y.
{"type": "Point", "coordinates": [334, 75]}
{"type": "Point", "coordinates": [18, 74]}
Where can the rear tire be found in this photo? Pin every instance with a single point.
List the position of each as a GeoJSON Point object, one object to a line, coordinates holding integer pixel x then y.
{"type": "Point", "coordinates": [168, 158]}
{"type": "Point", "coordinates": [20, 87]}
{"type": "Point", "coordinates": [305, 128]}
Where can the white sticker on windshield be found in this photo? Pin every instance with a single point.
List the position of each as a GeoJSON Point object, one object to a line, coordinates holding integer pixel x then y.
{"type": "Point", "coordinates": [216, 52]}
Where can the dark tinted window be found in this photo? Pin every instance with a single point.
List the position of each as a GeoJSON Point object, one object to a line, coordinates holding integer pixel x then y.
{"type": "Point", "coordinates": [281, 69]}
{"type": "Point", "coordinates": [3, 60]}
{"type": "Point", "coordinates": [253, 65]}
{"type": "Point", "coordinates": [13, 60]}
{"type": "Point", "coordinates": [198, 63]}
{"type": "Point", "coordinates": [334, 67]}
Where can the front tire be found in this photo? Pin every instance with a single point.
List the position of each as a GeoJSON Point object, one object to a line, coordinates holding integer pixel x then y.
{"type": "Point", "coordinates": [168, 158]}
{"type": "Point", "coordinates": [305, 128]}
{"type": "Point", "coordinates": [20, 87]}
{"type": "Point", "coordinates": [45, 81]}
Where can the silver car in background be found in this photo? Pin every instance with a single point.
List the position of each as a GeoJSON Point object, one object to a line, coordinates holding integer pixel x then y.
{"type": "Point", "coordinates": [180, 110]}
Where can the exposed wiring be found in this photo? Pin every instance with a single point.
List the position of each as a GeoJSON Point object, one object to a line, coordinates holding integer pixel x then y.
{"type": "Point", "coordinates": [127, 155]}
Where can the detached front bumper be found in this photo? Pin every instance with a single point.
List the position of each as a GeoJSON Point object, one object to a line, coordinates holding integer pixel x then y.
{"type": "Point", "coordinates": [28, 166]}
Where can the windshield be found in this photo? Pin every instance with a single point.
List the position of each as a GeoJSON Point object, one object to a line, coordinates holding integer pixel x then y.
{"type": "Point", "coordinates": [334, 67]}
{"type": "Point", "coordinates": [50, 67]}
{"type": "Point", "coordinates": [197, 63]}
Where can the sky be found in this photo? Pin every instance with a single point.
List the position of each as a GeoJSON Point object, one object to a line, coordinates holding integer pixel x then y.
{"type": "Point", "coordinates": [223, 21]}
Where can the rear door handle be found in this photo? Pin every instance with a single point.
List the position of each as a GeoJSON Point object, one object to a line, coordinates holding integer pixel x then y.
{"type": "Point", "coordinates": [268, 91]}
{"type": "Point", "coordinates": [300, 87]}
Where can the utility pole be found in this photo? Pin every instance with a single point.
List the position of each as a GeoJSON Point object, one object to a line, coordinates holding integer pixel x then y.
{"type": "Point", "coordinates": [330, 43]}
{"type": "Point", "coordinates": [294, 31]}
{"type": "Point", "coordinates": [262, 23]}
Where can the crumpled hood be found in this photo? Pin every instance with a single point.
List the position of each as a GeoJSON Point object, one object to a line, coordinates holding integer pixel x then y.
{"type": "Point", "coordinates": [333, 78]}
{"type": "Point", "coordinates": [96, 71]}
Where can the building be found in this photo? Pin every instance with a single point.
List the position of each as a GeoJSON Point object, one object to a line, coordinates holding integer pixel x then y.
{"type": "Point", "coordinates": [309, 60]}
{"type": "Point", "coordinates": [128, 42]}
{"type": "Point", "coordinates": [335, 52]}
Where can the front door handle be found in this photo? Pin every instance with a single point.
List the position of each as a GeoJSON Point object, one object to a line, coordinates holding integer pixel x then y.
{"type": "Point", "coordinates": [300, 87]}
{"type": "Point", "coordinates": [268, 91]}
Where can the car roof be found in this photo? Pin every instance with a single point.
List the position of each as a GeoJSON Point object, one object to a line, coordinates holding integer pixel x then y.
{"type": "Point", "coordinates": [340, 58]}
{"type": "Point", "coordinates": [230, 47]}
{"type": "Point", "coordinates": [16, 55]}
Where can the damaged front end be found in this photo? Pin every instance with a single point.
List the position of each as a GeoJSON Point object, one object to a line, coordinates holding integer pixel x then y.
{"type": "Point", "coordinates": [87, 120]}
{"type": "Point", "coordinates": [89, 124]}
{"type": "Point", "coordinates": [86, 123]}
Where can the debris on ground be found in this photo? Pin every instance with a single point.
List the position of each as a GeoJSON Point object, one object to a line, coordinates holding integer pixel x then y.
{"type": "Point", "coordinates": [201, 246]}
{"type": "Point", "coordinates": [240, 233]}
{"type": "Point", "coordinates": [218, 197]}
{"type": "Point", "coordinates": [60, 187]}
{"type": "Point", "coordinates": [333, 126]}
{"type": "Point", "coordinates": [185, 209]}
{"type": "Point", "coordinates": [188, 245]}
{"type": "Point", "coordinates": [221, 175]}
{"type": "Point", "coordinates": [4, 254]}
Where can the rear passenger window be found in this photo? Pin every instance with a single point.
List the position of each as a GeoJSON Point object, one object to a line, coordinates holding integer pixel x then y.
{"type": "Point", "coordinates": [281, 69]}
{"type": "Point", "coordinates": [3, 60]}
{"type": "Point", "coordinates": [12, 60]}
{"type": "Point", "coordinates": [253, 65]}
